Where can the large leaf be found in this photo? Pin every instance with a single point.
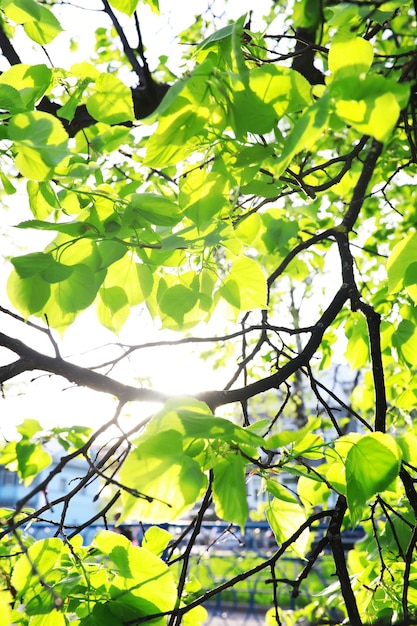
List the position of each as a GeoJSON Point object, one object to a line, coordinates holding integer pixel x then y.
{"type": "Point", "coordinates": [28, 295]}
{"type": "Point", "coordinates": [176, 301]}
{"type": "Point", "coordinates": [78, 291]}
{"type": "Point", "coordinates": [112, 101]}
{"type": "Point", "coordinates": [40, 560]}
{"type": "Point", "coordinates": [30, 83]}
{"type": "Point", "coordinates": [156, 209]}
{"type": "Point", "coordinates": [245, 285]}
{"type": "Point", "coordinates": [350, 56]}
{"type": "Point", "coordinates": [45, 28]}
{"type": "Point", "coordinates": [372, 463]}
{"type": "Point", "coordinates": [168, 479]}
{"type": "Point", "coordinates": [139, 572]}
{"type": "Point", "coordinates": [40, 142]}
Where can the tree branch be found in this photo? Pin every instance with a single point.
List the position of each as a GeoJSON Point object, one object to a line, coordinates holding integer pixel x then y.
{"type": "Point", "coordinates": [219, 398]}
{"type": "Point", "coordinates": [33, 360]}
{"type": "Point", "coordinates": [335, 542]}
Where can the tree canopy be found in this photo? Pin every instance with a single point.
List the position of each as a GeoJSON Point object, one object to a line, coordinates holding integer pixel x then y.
{"type": "Point", "coordinates": [255, 203]}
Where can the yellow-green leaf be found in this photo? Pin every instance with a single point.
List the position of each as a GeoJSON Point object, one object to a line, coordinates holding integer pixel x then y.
{"type": "Point", "coordinates": [350, 56]}
{"type": "Point", "coordinates": [112, 101]}
{"type": "Point", "coordinates": [40, 143]}
{"type": "Point", "coordinates": [245, 286]}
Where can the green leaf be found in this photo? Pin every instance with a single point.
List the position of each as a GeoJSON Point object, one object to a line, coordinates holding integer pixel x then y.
{"type": "Point", "coordinates": [312, 493]}
{"type": "Point", "coordinates": [404, 338]}
{"type": "Point", "coordinates": [156, 540]}
{"type": "Point", "coordinates": [30, 81]}
{"type": "Point", "coordinates": [350, 56]}
{"type": "Point", "coordinates": [229, 489]}
{"type": "Point", "coordinates": [44, 555]}
{"type": "Point", "coordinates": [31, 460]}
{"type": "Point", "coordinates": [306, 131]}
{"type": "Point", "coordinates": [245, 285]}
{"type": "Point", "coordinates": [410, 281]}
{"type": "Point", "coordinates": [22, 11]}
{"type": "Point", "coordinates": [112, 101]}
{"type": "Point", "coordinates": [45, 28]}
{"type": "Point", "coordinates": [176, 301]}
{"type": "Point", "coordinates": [113, 308]}
{"type": "Point", "coordinates": [357, 351]}
{"type": "Point", "coordinates": [162, 471]}
{"type": "Point", "coordinates": [156, 209]}
{"type": "Point", "coordinates": [134, 278]}
{"type": "Point", "coordinates": [402, 256]}
{"type": "Point", "coordinates": [28, 428]}
{"type": "Point", "coordinates": [40, 142]}
{"type": "Point", "coordinates": [67, 111]}
{"type": "Point", "coordinates": [10, 99]}
{"type": "Point", "coordinates": [125, 6]}
{"type": "Point", "coordinates": [6, 602]}
{"type": "Point", "coordinates": [279, 491]}
{"type": "Point", "coordinates": [283, 88]}
{"type": "Point", "coordinates": [285, 518]}
{"type": "Point", "coordinates": [74, 229]}
{"type": "Point", "coordinates": [28, 295]}
{"type": "Point", "coordinates": [203, 195]}
{"type": "Point", "coordinates": [372, 463]}
{"type": "Point", "coordinates": [79, 290]}
{"type": "Point", "coordinates": [140, 575]}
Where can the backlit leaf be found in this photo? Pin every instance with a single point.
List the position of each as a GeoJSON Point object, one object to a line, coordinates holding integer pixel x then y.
{"type": "Point", "coordinates": [30, 81]}
{"type": "Point", "coordinates": [245, 285]}
{"type": "Point", "coordinates": [403, 254]}
{"type": "Point", "coordinates": [176, 301]}
{"type": "Point", "coordinates": [350, 56]}
{"type": "Point", "coordinates": [125, 6]}
{"type": "Point", "coordinates": [45, 28]}
{"type": "Point", "coordinates": [28, 295]}
{"type": "Point", "coordinates": [372, 463]}
{"type": "Point", "coordinates": [285, 519]}
{"type": "Point", "coordinates": [40, 142]}
{"type": "Point", "coordinates": [160, 470]}
{"type": "Point", "coordinates": [229, 489]}
{"type": "Point", "coordinates": [112, 101]}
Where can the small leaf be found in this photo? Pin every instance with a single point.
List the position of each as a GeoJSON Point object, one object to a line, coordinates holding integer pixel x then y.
{"type": "Point", "coordinates": [402, 255]}
{"type": "Point", "coordinates": [285, 518]}
{"type": "Point", "coordinates": [156, 540]}
{"type": "Point", "coordinates": [31, 460]}
{"type": "Point", "coordinates": [125, 6]}
{"type": "Point", "coordinates": [229, 489]}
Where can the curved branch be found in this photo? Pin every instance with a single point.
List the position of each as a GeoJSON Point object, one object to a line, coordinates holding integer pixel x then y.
{"type": "Point", "coordinates": [33, 360]}
{"type": "Point", "coordinates": [219, 398]}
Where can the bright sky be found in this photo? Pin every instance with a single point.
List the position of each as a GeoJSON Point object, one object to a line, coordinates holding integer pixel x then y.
{"type": "Point", "coordinates": [173, 370]}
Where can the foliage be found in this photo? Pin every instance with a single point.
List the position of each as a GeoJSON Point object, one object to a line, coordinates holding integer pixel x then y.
{"type": "Point", "coordinates": [261, 201]}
